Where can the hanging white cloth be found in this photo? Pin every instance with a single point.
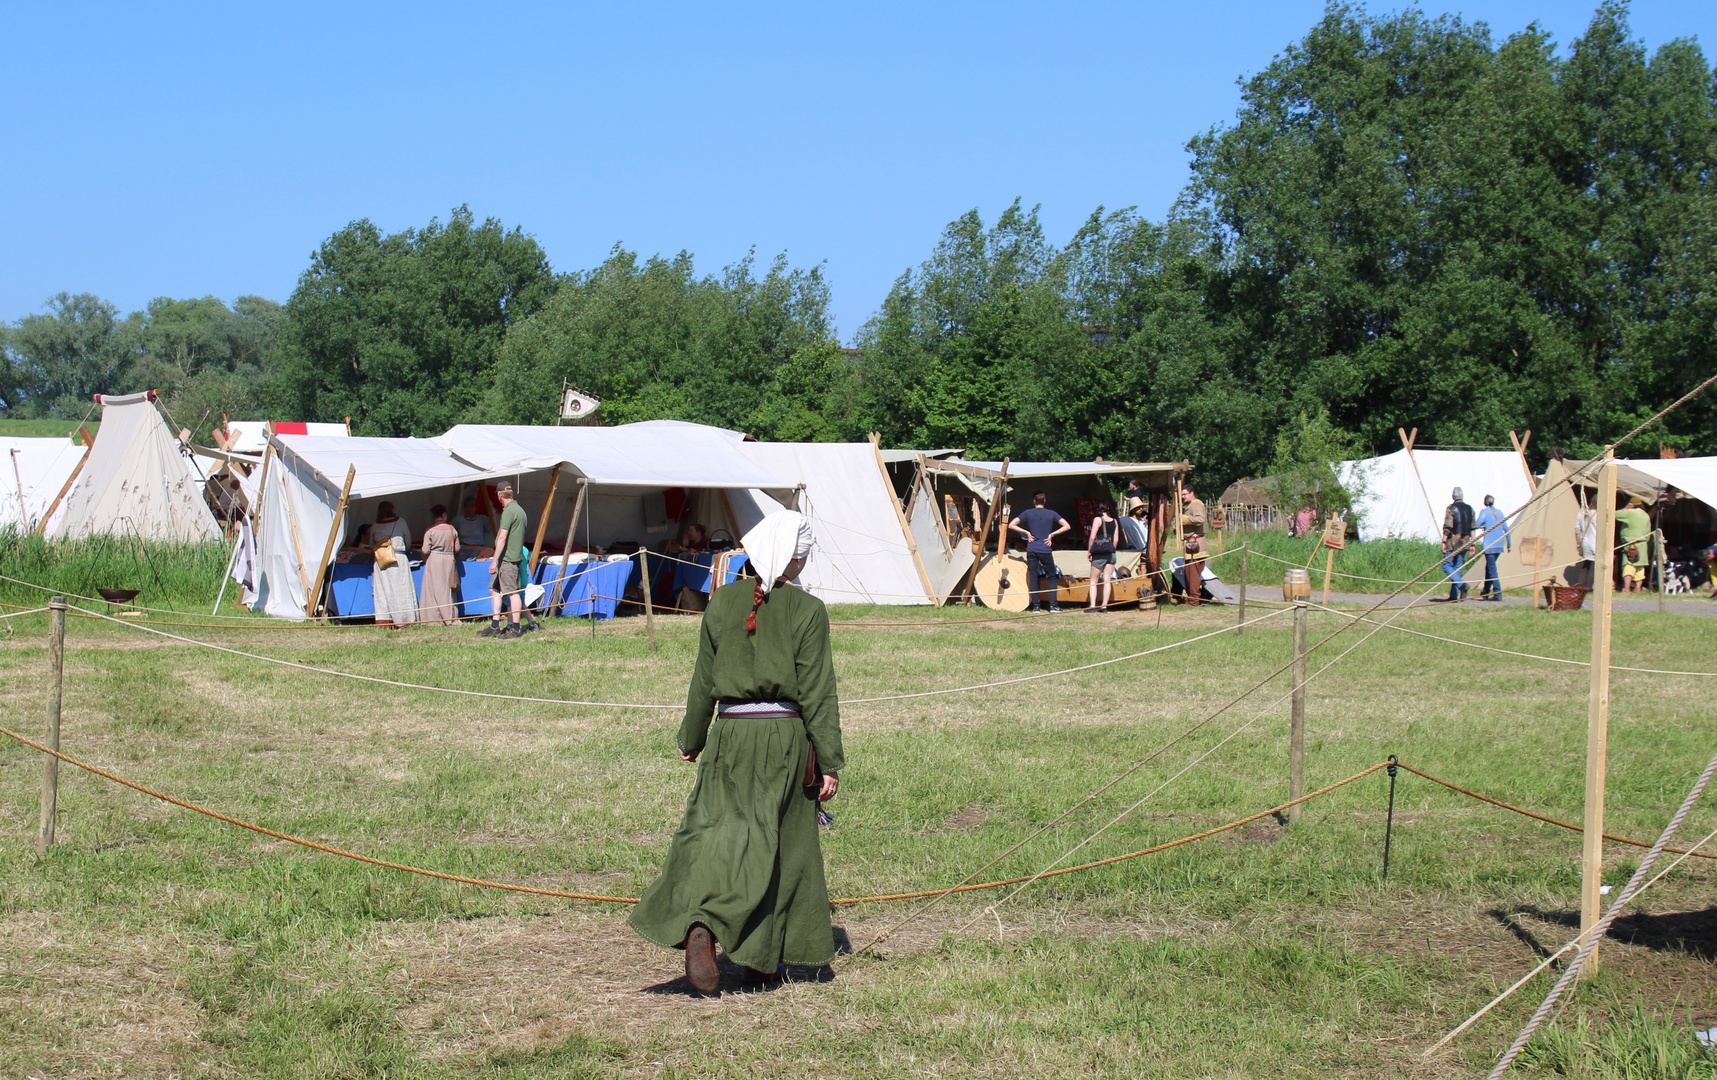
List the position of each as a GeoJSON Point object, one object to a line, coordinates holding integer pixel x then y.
{"type": "Point", "coordinates": [244, 562]}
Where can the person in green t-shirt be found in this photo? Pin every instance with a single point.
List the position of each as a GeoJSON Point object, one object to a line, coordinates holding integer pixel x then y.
{"type": "Point", "coordinates": [1634, 525]}
{"type": "Point", "coordinates": [506, 567]}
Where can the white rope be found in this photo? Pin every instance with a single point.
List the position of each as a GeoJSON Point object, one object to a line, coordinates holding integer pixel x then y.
{"type": "Point", "coordinates": [1553, 957]}
{"type": "Point", "coordinates": [1510, 652]}
{"type": "Point", "coordinates": [1602, 926]}
{"type": "Point", "coordinates": [636, 705]}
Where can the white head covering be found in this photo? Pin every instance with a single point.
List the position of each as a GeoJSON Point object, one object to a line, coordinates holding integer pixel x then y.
{"type": "Point", "coordinates": [776, 541]}
{"type": "Point", "coordinates": [1458, 495]}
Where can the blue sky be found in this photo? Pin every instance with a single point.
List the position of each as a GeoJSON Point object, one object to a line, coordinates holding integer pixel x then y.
{"type": "Point", "coordinates": [184, 150]}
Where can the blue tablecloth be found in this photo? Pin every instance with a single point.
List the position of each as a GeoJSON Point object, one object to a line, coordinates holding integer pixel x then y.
{"type": "Point", "coordinates": [353, 596]}
{"type": "Point", "coordinates": [587, 588]}
{"type": "Point", "coordinates": [695, 571]}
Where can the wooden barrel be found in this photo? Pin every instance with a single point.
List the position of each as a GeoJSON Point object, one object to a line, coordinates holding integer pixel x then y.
{"type": "Point", "coordinates": [1296, 584]}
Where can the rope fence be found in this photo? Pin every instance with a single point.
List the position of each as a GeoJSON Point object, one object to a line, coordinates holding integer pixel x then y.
{"type": "Point", "coordinates": [503, 886]}
{"type": "Point", "coordinates": [335, 672]}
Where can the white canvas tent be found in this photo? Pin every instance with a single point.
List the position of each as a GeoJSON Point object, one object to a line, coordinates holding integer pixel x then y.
{"type": "Point", "coordinates": [34, 472]}
{"type": "Point", "coordinates": [299, 493]}
{"type": "Point", "coordinates": [1063, 483]}
{"type": "Point", "coordinates": [862, 554]}
{"type": "Point", "coordinates": [251, 436]}
{"type": "Point", "coordinates": [1697, 476]}
{"type": "Point", "coordinates": [138, 480]}
{"type": "Point", "coordinates": [1406, 492]}
{"type": "Point", "coordinates": [626, 468]}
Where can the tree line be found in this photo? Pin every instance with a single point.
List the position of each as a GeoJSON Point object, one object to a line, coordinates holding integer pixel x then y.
{"type": "Point", "coordinates": [1407, 223]}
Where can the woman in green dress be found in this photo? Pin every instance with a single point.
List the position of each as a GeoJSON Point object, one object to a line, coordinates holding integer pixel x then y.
{"type": "Point", "coordinates": [745, 869]}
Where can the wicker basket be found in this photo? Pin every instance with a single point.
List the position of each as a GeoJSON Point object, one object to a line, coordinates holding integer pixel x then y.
{"type": "Point", "coordinates": [1565, 597]}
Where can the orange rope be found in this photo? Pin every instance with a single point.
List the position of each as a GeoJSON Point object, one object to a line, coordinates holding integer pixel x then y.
{"type": "Point", "coordinates": [562, 894]}
{"type": "Point", "coordinates": [1541, 817]}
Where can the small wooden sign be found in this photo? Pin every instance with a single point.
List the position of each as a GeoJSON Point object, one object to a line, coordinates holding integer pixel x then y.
{"type": "Point", "coordinates": [1335, 532]}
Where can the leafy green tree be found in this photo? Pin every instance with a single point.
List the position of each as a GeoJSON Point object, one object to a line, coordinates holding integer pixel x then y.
{"type": "Point", "coordinates": [51, 364]}
{"type": "Point", "coordinates": [1304, 471]}
{"type": "Point", "coordinates": [401, 332]}
{"type": "Point", "coordinates": [654, 340]}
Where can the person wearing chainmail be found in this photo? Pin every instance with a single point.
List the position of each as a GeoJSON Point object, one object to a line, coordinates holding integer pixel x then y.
{"type": "Point", "coordinates": [745, 869]}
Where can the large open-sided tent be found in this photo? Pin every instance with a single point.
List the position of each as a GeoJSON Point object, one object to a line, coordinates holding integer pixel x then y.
{"type": "Point", "coordinates": [622, 472]}
{"type": "Point", "coordinates": [1406, 492]}
{"type": "Point", "coordinates": [137, 480]}
{"type": "Point", "coordinates": [35, 472]}
{"type": "Point", "coordinates": [299, 485]}
{"type": "Point", "coordinates": [949, 509]}
{"type": "Point", "coordinates": [730, 483]}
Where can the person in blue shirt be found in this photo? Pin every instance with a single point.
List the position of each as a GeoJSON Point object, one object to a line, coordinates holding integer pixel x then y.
{"type": "Point", "coordinates": [1493, 529]}
{"type": "Point", "coordinates": [1040, 526]}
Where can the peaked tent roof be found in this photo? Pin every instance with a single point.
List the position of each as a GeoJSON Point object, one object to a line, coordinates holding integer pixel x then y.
{"type": "Point", "coordinates": [1407, 491]}
{"type": "Point", "coordinates": [137, 479]}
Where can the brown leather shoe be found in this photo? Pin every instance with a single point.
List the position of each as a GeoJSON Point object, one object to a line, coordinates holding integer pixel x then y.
{"type": "Point", "coordinates": [755, 977]}
{"type": "Point", "coordinates": [701, 970]}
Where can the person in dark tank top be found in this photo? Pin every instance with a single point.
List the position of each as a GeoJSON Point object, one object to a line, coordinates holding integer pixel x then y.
{"type": "Point", "coordinates": [1100, 547]}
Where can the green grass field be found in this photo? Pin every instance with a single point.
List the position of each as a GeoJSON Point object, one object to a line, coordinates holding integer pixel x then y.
{"type": "Point", "coordinates": [152, 942]}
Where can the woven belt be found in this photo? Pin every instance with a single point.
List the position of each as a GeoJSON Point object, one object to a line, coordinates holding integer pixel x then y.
{"type": "Point", "coordinates": [757, 709]}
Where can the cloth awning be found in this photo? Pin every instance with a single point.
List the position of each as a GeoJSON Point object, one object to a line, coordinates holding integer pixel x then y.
{"type": "Point", "coordinates": [653, 454]}
{"type": "Point", "coordinates": [981, 476]}
{"type": "Point", "coordinates": [384, 466]}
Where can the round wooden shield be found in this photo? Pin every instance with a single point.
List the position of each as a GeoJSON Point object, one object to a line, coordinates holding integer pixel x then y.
{"type": "Point", "coordinates": [1002, 584]}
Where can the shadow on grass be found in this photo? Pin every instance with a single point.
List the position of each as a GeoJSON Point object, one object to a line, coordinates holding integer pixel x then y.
{"type": "Point", "coordinates": [733, 979]}
{"type": "Point", "coordinates": [1693, 933]}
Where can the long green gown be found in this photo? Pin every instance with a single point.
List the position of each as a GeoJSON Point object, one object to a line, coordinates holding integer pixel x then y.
{"type": "Point", "coordinates": [746, 861]}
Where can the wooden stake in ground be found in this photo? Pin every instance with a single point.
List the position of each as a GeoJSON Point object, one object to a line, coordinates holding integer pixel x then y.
{"type": "Point", "coordinates": [1245, 550]}
{"type": "Point", "coordinates": [1598, 714]}
{"type": "Point", "coordinates": [1329, 570]}
{"type": "Point", "coordinates": [1297, 715]}
{"type": "Point", "coordinates": [56, 679]}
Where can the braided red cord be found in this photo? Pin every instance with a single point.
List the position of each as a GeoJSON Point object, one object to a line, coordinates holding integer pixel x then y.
{"type": "Point", "coordinates": [756, 602]}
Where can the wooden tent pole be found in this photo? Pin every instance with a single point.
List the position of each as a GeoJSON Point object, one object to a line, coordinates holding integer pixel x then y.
{"type": "Point", "coordinates": [905, 528]}
{"type": "Point", "coordinates": [314, 607]}
{"type": "Point", "coordinates": [984, 532]}
{"type": "Point", "coordinates": [571, 535]}
{"type": "Point", "coordinates": [1520, 450]}
{"type": "Point", "coordinates": [1407, 442]}
{"type": "Point", "coordinates": [88, 445]}
{"type": "Point", "coordinates": [1598, 712]}
{"type": "Point", "coordinates": [542, 522]}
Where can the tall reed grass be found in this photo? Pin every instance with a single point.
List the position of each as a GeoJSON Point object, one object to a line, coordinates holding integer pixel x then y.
{"type": "Point", "coordinates": [1390, 560]}
{"type": "Point", "coordinates": [185, 577]}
